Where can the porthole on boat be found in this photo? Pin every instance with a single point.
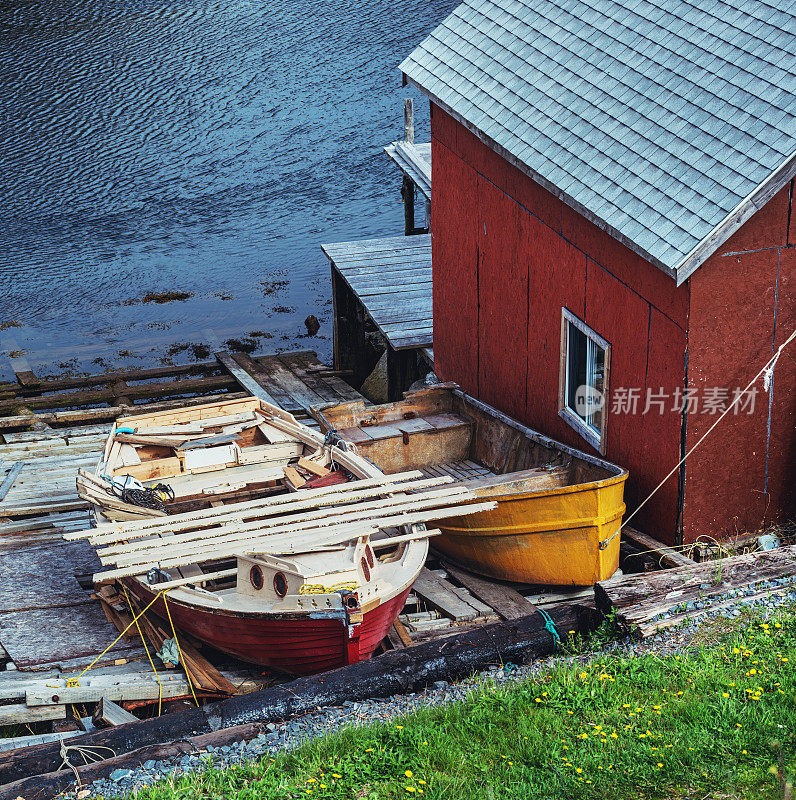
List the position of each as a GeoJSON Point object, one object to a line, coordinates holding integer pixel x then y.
{"type": "Point", "coordinates": [256, 577]}
{"type": "Point", "coordinates": [365, 568]}
{"type": "Point", "coordinates": [280, 584]}
{"type": "Point", "coordinates": [351, 601]}
{"type": "Point", "coordinates": [369, 555]}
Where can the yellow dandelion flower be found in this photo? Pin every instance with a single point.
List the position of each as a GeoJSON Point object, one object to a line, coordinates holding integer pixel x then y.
{"type": "Point", "coordinates": [656, 708]}
{"type": "Point", "coordinates": [511, 763]}
{"type": "Point", "coordinates": [323, 786]}
{"type": "Point", "coordinates": [614, 735]}
{"type": "Point", "coordinates": [583, 675]}
{"type": "Point", "coordinates": [735, 650]}
{"type": "Point", "coordinates": [410, 789]}
{"type": "Point", "coordinates": [659, 764]}
{"type": "Point", "coordinates": [538, 699]}
{"type": "Point", "coordinates": [425, 742]}
{"type": "Point", "coordinates": [335, 775]}
{"type": "Point", "coordinates": [578, 770]}
{"type": "Point", "coordinates": [421, 782]}
{"type": "Point", "coordinates": [738, 725]}
{"type": "Point", "coordinates": [725, 694]}
{"type": "Point", "coordinates": [312, 780]}
{"type": "Point", "coordinates": [408, 773]}
{"type": "Point", "coordinates": [399, 727]}
{"type": "Point", "coordinates": [784, 660]}
{"type": "Point", "coordinates": [626, 705]}
{"type": "Point", "coordinates": [743, 752]}
{"type": "Point", "coordinates": [369, 750]}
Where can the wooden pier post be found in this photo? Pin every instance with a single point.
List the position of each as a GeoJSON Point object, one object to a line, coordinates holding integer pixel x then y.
{"type": "Point", "coordinates": [408, 187]}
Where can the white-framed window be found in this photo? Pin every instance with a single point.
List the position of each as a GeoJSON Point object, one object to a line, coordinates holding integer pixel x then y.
{"type": "Point", "coordinates": [583, 379]}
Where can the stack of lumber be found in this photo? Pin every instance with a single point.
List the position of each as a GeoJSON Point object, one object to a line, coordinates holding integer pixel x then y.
{"type": "Point", "coordinates": [46, 696]}
{"type": "Point", "coordinates": [294, 523]}
{"type": "Point", "coordinates": [646, 603]}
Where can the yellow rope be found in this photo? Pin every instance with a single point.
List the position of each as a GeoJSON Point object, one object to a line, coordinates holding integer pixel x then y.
{"type": "Point", "coordinates": [152, 663]}
{"type": "Point", "coordinates": [179, 650]}
{"type": "Point", "coordinates": [71, 682]}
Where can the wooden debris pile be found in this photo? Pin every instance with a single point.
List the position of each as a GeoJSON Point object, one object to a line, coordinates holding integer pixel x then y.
{"type": "Point", "coordinates": [293, 523]}
{"type": "Point", "coordinates": [652, 602]}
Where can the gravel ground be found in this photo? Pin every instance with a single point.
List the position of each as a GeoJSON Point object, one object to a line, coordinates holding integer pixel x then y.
{"type": "Point", "coordinates": [695, 631]}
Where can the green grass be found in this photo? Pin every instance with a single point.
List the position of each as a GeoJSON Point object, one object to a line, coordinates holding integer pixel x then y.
{"type": "Point", "coordinates": [708, 723]}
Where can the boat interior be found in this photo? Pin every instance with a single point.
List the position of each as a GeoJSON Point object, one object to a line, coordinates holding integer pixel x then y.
{"type": "Point", "coordinates": [204, 458]}
{"type": "Point", "coordinates": [197, 461]}
{"type": "Point", "coordinates": [443, 431]}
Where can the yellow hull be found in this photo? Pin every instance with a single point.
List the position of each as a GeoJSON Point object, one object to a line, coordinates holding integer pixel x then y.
{"type": "Point", "coordinates": [547, 537]}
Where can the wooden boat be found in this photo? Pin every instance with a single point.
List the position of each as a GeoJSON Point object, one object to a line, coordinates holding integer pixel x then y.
{"type": "Point", "coordinates": [557, 507]}
{"type": "Point", "coordinates": [265, 540]}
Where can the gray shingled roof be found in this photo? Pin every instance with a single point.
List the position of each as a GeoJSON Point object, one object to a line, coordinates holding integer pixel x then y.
{"type": "Point", "coordinates": [668, 124]}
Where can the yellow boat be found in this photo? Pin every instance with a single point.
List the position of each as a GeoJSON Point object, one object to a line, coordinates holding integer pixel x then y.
{"type": "Point", "coordinates": [559, 509]}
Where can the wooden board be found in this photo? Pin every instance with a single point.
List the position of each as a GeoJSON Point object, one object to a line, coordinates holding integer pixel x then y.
{"type": "Point", "coordinates": [640, 598]}
{"type": "Point", "coordinates": [665, 554]}
{"type": "Point", "coordinates": [43, 575]}
{"type": "Point", "coordinates": [20, 713]}
{"type": "Point", "coordinates": [43, 638]}
{"type": "Point", "coordinates": [442, 595]}
{"type": "Point", "coordinates": [508, 602]}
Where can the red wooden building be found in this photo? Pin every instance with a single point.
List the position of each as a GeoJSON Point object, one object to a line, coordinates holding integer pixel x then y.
{"type": "Point", "coordinates": [612, 208]}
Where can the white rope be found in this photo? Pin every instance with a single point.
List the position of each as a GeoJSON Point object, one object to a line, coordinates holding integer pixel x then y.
{"type": "Point", "coordinates": [90, 755]}
{"type": "Point", "coordinates": [767, 372]}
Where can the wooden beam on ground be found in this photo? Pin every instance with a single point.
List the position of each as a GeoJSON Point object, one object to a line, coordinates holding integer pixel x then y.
{"type": "Point", "coordinates": [640, 599]}
{"type": "Point", "coordinates": [107, 714]}
{"type": "Point", "coordinates": [442, 595]}
{"type": "Point", "coordinates": [666, 555]}
{"type": "Point", "coordinates": [507, 602]}
{"type": "Point", "coordinates": [20, 713]}
{"type": "Point", "coordinates": [86, 415]}
{"type": "Point", "coordinates": [9, 479]}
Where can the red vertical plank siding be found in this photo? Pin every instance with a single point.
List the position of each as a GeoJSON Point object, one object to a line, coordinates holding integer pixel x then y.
{"type": "Point", "coordinates": [455, 269]}
{"type": "Point", "coordinates": [782, 449]}
{"type": "Point", "coordinates": [503, 299]}
{"type": "Point", "coordinates": [556, 280]}
{"type": "Point", "coordinates": [622, 318]}
{"type": "Point", "coordinates": [661, 431]}
{"type": "Point", "coordinates": [732, 328]}
{"type": "Point", "coordinates": [630, 268]}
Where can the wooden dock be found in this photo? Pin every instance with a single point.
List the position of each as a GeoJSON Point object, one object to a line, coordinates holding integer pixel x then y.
{"type": "Point", "coordinates": [383, 286]}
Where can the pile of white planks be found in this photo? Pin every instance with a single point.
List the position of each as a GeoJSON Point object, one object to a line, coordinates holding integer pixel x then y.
{"type": "Point", "coordinates": [292, 523]}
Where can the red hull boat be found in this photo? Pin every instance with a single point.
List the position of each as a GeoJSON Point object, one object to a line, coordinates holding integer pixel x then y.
{"type": "Point", "coordinates": [305, 575]}
{"type": "Point", "coordinates": [294, 644]}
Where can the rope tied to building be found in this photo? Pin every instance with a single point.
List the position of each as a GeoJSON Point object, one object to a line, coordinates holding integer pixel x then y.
{"type": "Point", "coordinates": [767, 372]}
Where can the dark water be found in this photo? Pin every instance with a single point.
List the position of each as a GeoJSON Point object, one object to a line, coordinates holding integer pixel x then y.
{"type": "Point", "coordinates": [196, 146]}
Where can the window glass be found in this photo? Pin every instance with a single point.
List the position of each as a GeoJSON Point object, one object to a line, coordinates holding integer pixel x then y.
{"type": "Point", "coordinates": [584, 390]}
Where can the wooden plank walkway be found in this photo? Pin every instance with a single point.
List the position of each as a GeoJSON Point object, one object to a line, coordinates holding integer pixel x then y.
{"type": "Point", "coordinates": [392, 279]}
